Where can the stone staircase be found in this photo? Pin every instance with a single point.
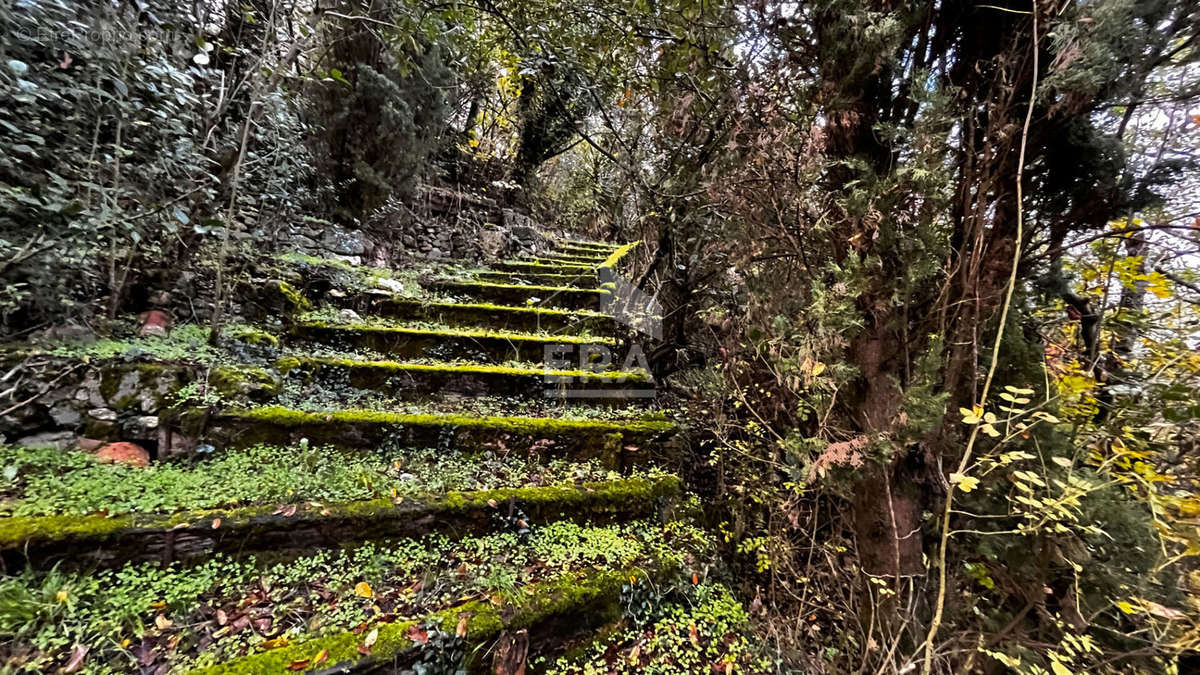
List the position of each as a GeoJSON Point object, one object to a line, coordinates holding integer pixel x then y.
{"type": "Point", "coordinates": [507, 510]}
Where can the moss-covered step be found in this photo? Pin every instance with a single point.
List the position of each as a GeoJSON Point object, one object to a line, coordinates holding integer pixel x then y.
{"type": "Point", "coordinates": [608, 269]}
{"type": "Point", "coordinates": [585, 279]}
{"type": "Point", "coordinates": [550, 613]}
{"type": "Point", "coordinates": [479, 345]}
{"type": "Point", "coordinates": [494, 317]}
{"type": "Point", "coordinates": [113, 540]}
{"type": "Point", "coordinates": [402, 380]}
{"type": "Point", "coordinates": [572, 246]}
{"type": "Point", "coordinates": [619, 443]}
{"type": "Point", "coordinates": [562, 258]}
{"type": "Point", "coordinates": [544, 267]}
{"type": "Point", "coordinates": [561, 297]}
{"type": "Point", "coordinates": [584, 243]}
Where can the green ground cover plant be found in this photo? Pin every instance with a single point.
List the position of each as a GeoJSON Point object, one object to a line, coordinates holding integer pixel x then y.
{"type": "Point", "coordinates": [699, 628]}
{"type": "Point", "coordinates": [38, 482]}
{"type": "Point", "coordinates": [177, 618]}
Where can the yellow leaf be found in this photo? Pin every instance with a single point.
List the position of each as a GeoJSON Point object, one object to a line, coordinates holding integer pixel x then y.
{"type": "Point", "coordinates": [1058, 668]}
{"type": "Point", "coordinates": [818, 368]}
{"type": "Point", "coordinates": [964, 483]}
{"type": "Point", "coordinates": [363, 590]}
{"type": "Point", "coordinates": [1126, 607]}
{"type": "Point", "coordinates": [61, 596]}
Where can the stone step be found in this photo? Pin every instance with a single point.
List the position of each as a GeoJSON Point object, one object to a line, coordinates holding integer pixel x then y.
{"type": "Point", "coordinates": [560, 297]}
{"type": "Point", "coordinates": [583, 243]}
{"type": "Point", "coordinates": [184, 535]}
{"type": "Point", "coordinates": [404, 381]}
{"type": "Point", "coordinates": [584, 251]}
{"type": "Point", "coordinates": [548, 615]}
{"type": "Point", "coordinates": [482, 346]}
{"type": "Point", "coordinates": [618, 443]}
{"type": "Point", "coordinates": [579, 280]}
{"type": "Point", "coordinates": [572, 258]}
{"type": "Point", "coordinates": [491, 316]}
{"type": "Point", "coordinates": [545, 267]}
{"type": "Point", "coordinates": [371, 607]}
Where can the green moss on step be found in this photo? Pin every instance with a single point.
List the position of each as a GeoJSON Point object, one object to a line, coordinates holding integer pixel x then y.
{"type": "Point", "coordinates": [288, 417]}
{"type": "Point", "coordinates": [617, 255]}
{"type": "Point", "coordinates": [484, 622]}
{"type": "Point", "coordinates": [253, 336]}
{"type": "Point", "coordinates": [296, 301]}
{"type": "Point", "coordinates": [547, 290]}
{"type": "Point", "coordinates": [233, 381]}
{"type": "Point", "coordinates": [491, 307]}
{"type": "Point", "coordinates": [287, 364]}
{"type": "Point", "coordinates": [477, 334]}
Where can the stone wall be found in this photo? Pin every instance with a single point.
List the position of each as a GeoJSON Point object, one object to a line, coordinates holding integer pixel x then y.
{"type": "Point", "coordinates": [439, 224]}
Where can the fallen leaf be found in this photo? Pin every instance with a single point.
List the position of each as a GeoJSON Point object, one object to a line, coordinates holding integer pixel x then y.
{"type": "Point", "coordinates": [276, 643]}
{"type": "Point", "coordinates": [222, 617]}
{"type": "Point", "coordinates": [320, 657]}
{"type": "Point", "coordinates": [78, 654]}
{"type": "Point", "coordinates": [363, 590]}
{"type": "Point", "coordinates": [216, 523]}
{"type": "Point", "coordinates": [695, 579]}
{"type": "Point", "coordinates": [299, 665]}
{"type": "Point", "coordinates": [289, 511]}
{"type": "Point", "coordinates": [162, 622]}
{"type": "Point", "coordinates": [418, 634]}
{"type": "Point", "coordinates": [461, 630]}
{"type": "Point", "coordinates": [694, 634]}
{"type": "Point", "coordinates": [492, 503]}
{"type": "Point", "coordinates": [635, 655]}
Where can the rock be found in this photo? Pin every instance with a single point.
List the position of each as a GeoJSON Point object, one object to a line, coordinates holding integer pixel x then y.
{"type": "Point", "coordinates": [348, 315]}
{"type": "Point", "coordinates": [155, 322]}
{"type": "Point", "coordinates": [127, 389]}
{"type": "Point", "coordinates": [160, 298]}
{"type": "Point", "coordinates": [491, 243]}
{"type": "Point", "coordinates": [345, 242]}
{"type": "Point", "coordinates": [64, 415]}
{"type": "Point", "coordinates": [68, 332]}
{"type": "Point", "coordinates": [124, 453]}
{"type": "Point", "coordinates": [389, 285]}
{"type": "Point", "coordinates": [103, 414]}
{"type": "Point", "coordinates": [145, 424]}
{"type": "Point", "coordinates": [48, 439]}
{"type": "Point", "coordinates": [88, 444]}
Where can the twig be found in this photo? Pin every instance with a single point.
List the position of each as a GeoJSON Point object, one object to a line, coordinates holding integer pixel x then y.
{"type": "Point", "coordinates": [41, 393]}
